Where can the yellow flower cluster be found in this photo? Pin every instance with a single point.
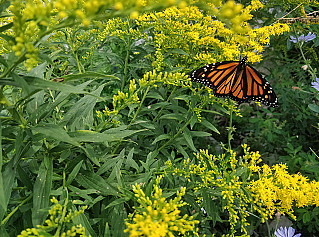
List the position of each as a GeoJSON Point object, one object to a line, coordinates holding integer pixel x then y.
{"type": "Point", "coordinates": [277, 190]}
{"type": "Point", "coordinates": [242, 192]}
{"type": "Point", "coordinates": [120, 28]}
{"type": "Point", "coordinates": [56, 220]}
{"type": "Point", "coordinates": [34, 19]}
{"type": "Point", "coordinates": [204, 39]}
{"type": "Point", "coordinates": [233, 16]}
{"type": "Point", "coordinates": [157, 217]}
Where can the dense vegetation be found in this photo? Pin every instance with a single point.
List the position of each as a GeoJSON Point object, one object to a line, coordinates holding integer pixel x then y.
{"type": "Point", "coordinates": [102, 132]}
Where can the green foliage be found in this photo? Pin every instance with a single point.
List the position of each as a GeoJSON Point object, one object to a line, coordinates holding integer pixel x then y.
{"type": "Point", "coordinates": [93, 104]}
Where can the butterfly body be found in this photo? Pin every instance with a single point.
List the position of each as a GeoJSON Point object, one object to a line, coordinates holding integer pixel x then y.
{"type": "Point", "coordinates": [236, 80]}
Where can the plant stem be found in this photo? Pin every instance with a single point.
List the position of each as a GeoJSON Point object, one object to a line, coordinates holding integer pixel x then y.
{"type": "Point", "coordinates": [134, 117]}
{"type": "Point", "coordinates": [313, 74]}
{"type": "Point", "coordinates": [140, 106]}
{"type": "Point", "coordinates": [16, 209]}
{"type": "Point", "coordinates": [78, 62]}
{"type": "Point", "coordinates": [128, 50]}
{"type": "Point", "coordinates": [230, 128]}
{"type": "Point", "coordinates": [57, 233]}
{"type": "Point", "coordinates": [268, 228]}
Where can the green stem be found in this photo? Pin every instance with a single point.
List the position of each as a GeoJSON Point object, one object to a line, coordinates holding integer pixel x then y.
{"type": "Point", "coordinates": [77, 62]}
{"type": "Point", "coordinates": [57, 233]}
{"type": "Point", "coordinates": [16, 209]}
{"type": "Point", "coordinates": [176, 135]}
{"type": "Point", "coordinates": [134, 117]}
{"type": "Point", "coordinates": [140, 106]}
{"type": "Point", "coordinates": [268, 228]}
{"type": "Point", "coordinates": [128, 46]}
{"type": "Point", "coordinates": [230, 129]}
{"type": "Point", "coordinates": [311, 70]}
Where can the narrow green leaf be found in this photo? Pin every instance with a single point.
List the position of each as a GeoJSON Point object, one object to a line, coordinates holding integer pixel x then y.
{"type": "Point", "coordinates": [24, 178]}
{"type": "Point", "coordinates": [6, 27]}
{"type": "Point", "coordinates": [177, 51]}
{"type": "Point", "coordinates": [107, 165]}
{"type": "Point", "coordinates": [39, 83]}
{"type": "Point", "coordinates": [91, 180]}
{"type": "Point", "coordinates": [56, 132]}
{"type": "Point", "coordinates": [130, 162]}
{"type": "Point", "coordinates": [107, 232]}
{"type": "Point", "coordinates": [74, 173]}
{"type": "Point", "coordinates": [90, 136]}
{"type": "Point", "coordinates": [89, 75]}
{"type": "Point", "coordinates": [200, 134]}
{"type": "Point", "coordinates": [210, 126]}
{"type": "Point", "coordinates": [82, 219]}
{"type": "Point", "coordinates": [189, 139]}
{"type": "Point", "coordinates": [3, 232]}
{"type": "Point", "coordinates": [174, 116]}
{"type": "Point", "coordinates": [116, 169]}
{"type": "Point", "coordinates": [118, 201]}
{"type": "Point", "coordinates": [9, 172]}
{"type": "Point", "coordinates": [3, 204]}
{"type": "Point", "coordinates": [161, 137]}
{"type": "Point", "coordinates": [41, 191]}
{"type": "Point", "coordinates": [81, 113]}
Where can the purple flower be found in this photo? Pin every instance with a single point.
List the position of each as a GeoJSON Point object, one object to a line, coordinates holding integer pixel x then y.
{"type": "Point", "coordinates": [293, 39]}
{"type": "Point", "coordinates": [315, 84]}
{"type": "Point", "coordinates": [308, 37]}
{"type": "Point", "coordinates": [283, 232]}
{"type": "Point", "coordinates": [304, 38]}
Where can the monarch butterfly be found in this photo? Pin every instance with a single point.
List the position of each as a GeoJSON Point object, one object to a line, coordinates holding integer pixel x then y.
{"type": "Point", "coordinates": [236, 80]}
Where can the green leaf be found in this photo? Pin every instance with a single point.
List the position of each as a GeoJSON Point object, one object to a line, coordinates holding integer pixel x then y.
{"type": "Point", "coordinates": [314, 107]}
{"type": "Point", "coordinates": [73, 173]}
{"type": "Point", "coordinates": [56, 132]}
{"type": "Point", "coordinates": [130, 162]}
{"type": "Point", "coordinates": [38, 83]}
{"type": "Point", "coordinates": [91, 180]}
{"type": "Point", "coordinates": [173, 116]}
{"type": "Point", "coordinates": [189, 139]}
{"type": "Point", "coordinates": [81, 112]}
{"type": "Point", "coordinates": [41, 191]}
{"type": "Point", "coordinates": [210, 126]}
{"type": "Point", "coordinates": [306, 217]}
{"type": "Point", "coordinates": [3, 204]}
{"type": "Point", "coordinates": [118, 201]}
{"type": "Point", "coordinates": [107, 232]}
{"type": "Point", "coordinates": [9, 173]}
{"type": "Point", "coordinates": [46, 109]}
{"type": "Point", "coordinates": [109, 163]}
{"type": "Point", "coordinates": [161, 137]}
{"type": "Point", "coordinates": [200, 134]}
{"type": "Point", "coordinates": [177, 51]}
{"type": "Point", "coordinates": [6, 27]}
{"type": "Point", "coordinates": [89, 75]}
{"type": "Point", "coordinates": [107, 136]}
{"type": "Point", "coordinates": [82, 219]}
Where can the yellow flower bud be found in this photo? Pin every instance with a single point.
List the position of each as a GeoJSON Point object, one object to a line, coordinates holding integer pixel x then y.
{"type": "Point", "coordinates": [134, 15]}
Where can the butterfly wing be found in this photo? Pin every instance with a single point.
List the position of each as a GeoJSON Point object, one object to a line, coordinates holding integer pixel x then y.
{"type": "Point", "coordinates": [236, 80]}
{"type": "Point", "coordinates": [258, 89]}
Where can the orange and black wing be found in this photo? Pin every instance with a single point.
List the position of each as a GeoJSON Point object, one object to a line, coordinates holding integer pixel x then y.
{"type": "Point", "coordinates": [236, 80]}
